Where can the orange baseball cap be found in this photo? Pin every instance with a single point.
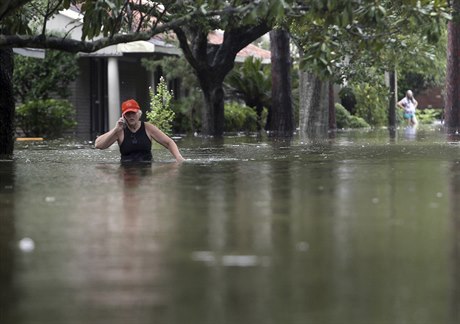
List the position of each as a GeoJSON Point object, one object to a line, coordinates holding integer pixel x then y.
{"type": "Point", "coordinates": [129, 105]}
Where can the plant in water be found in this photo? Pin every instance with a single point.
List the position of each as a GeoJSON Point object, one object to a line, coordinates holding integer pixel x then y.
{"type": "Point", "coordinates": [428, 116]}
{"type": "Point", "coordinates": [240, 118]}
{"type": "Point", "coordinates": [161, 114]}
{"type": "Point", "coordinates": [347, 120]}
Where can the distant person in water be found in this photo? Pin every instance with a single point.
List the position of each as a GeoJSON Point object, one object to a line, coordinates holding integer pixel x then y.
{"type": "Point", "coordinates": [409, 104]}
{"type": "Point", "coordinates": [135, 137]}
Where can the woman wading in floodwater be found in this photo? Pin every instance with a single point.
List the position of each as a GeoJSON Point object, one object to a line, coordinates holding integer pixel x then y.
{"type": "Point", "coordinates": [409, 104]}
{"type": "Point", "coordinates": [135, 136]}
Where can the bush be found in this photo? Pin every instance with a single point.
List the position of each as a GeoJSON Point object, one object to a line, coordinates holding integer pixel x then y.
{"type": "Point", "coordinates": [161, 114]}
{"type": "Point", "coordinates": [372, 103]}
{"type": "Point", "coordinates": [44, 78]}
{"type": "Point", "coordinates": [428, 116]}
{"type": "Point", "coordinates": [348, 99]}
{"type": "Point", "coordinates": [188, 113]}
{"type": "Point", "coordinates": [240, 118]}
{"type": "Point", "coordinates": [346, 120]}
{"type": "Point", "coordinates": [45, 118]}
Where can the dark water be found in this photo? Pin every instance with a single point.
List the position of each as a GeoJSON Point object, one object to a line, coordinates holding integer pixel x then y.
{"type": "Point", "coordinates": [356, 229]}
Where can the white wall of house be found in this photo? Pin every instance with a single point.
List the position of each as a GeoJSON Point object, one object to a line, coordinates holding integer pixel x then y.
{"type": "Point", "coordinates": [66, 22]}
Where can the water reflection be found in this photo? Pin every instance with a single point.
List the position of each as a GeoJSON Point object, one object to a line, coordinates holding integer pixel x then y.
{"type": "Point", "coordinates": [410, 133]}
{"type": "Point", "coordinates": [350, 230]}
{"type": "Point", "coordinates": [7, 239]}
{"type": "Point", "coordinates": [455, 254]}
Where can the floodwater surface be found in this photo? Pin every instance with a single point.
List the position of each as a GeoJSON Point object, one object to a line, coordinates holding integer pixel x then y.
{"type": "Point", "coordinates": [355, 229]}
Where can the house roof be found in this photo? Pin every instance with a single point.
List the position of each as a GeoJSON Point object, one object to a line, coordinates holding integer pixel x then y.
{"type": "Point", "coordinates": [217, 37]}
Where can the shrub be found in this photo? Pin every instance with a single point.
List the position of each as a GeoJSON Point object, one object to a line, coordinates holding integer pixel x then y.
{"type": "Point", "coordinates": [188, 112]}
{"type": "Point", "coordinates": [428, 116]}
{"type": "Point", "coordinates": [44, 78]}
{"type": "Point", "coordinates": [161, 114]}
{"type": "Point", "coordinates": [239, 118]}
{"type": "Point", "coordinates": [346, 120]}
{"type": "Point", "coordinates": [45, 118]}
{"type": "Point", "coordinates": [348, 99]}
{"type": "Point", "coordinates": [372, 103]}
{"type": "Point", "coordinates": [187, 108]}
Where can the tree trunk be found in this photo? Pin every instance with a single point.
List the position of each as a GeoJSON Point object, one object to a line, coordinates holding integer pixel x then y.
{"type": "Point", "coordinates": [452, 105]}
{"type": "Point", "coordinates": [212, 115]}
{"type": "Point", "coordinates": [212, 62]}
{"type": "Point", "coordinates": [314, 106]}
{"type": "Point", "coordinates": [259, 111]}
{"type": "Point", "coordinates": [282, 121]}
{"type": "Point", "coordinates": [332, 119]}
{"type": "Point", "coordinates": [392, 102]}
{"type": "Point", "coordinates": [7, 105]}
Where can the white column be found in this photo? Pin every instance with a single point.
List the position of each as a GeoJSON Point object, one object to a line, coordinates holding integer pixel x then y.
{"type": "Point", "coordinates": [113, 91]}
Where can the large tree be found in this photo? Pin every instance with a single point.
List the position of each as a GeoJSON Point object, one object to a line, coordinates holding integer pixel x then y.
{"type": "Point", "coordinates": [452, 104]}
{"type": "Point", "coordinates": [212, 62]}
{"type": "Point", "coordinates": [281, 114]}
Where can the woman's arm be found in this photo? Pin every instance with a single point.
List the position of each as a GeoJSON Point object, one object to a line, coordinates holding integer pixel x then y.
{"type": "Point", "coordinates": [164, 140]}
{"type": "Point", "coordinates": [107, 139]}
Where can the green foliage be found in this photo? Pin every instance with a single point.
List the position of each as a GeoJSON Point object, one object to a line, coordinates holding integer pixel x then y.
{"type": "Point", "coordinates": [188, 107]}
{"type": "Point", "coordinates": [44, 78]}
{"type": "Point", "coordinates": [346, 120]}
{"type": "Point", "coordinates": [240, 118]}
{"type": "Point", "coordinates": [337, 34]}
{"type": "Point", "coordinates": [251, 82]}
{"type": "Point", "coordinates": [47, 118]}
{"type": "Point", "coordinates": [372, 103]}
{"type": "Point", "coordinates": [428, 116]}
{"type": "Point", "coordinates": [348, 99]}
{"type": "Point", "coordinates": [161, 114]}
{"type": "Point", "coordinates": [424, 71]}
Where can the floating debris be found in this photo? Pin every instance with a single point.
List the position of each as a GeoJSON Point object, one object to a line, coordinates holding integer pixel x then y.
{"type": "Point", "coordinates": [230, 260]}
{"type": "Point", "coordinates": [50, 199]}
{"type": "Point", "coordinates": [26, 244]}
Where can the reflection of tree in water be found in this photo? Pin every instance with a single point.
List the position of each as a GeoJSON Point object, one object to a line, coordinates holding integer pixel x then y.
{"type": "Point", "coordinates": [307, 188]}
{"type": "Point", "coordinates": [7, 239]}
{"type": "Point", "coordinates": [454, 200]}
{"type": "Point", "coordinates": [267, 210]}
{"type": "Point", "coordinates": [226, 215]}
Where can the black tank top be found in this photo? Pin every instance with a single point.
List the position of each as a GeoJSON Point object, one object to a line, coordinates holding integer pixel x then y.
{"type": "Point", "coordinates": [136, 147]}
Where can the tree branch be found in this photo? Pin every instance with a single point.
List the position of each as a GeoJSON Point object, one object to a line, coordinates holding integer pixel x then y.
{"type": "Point", "coordinates": [49, 12]}
{"type": "Point", "coordinates": [237, 39]}
{"type": "Point", "coordinates": [183, 43]}
{"type": "Point", "coordinates": [72, 45]}
{"type": "Point", "coordinates": [7, 7]}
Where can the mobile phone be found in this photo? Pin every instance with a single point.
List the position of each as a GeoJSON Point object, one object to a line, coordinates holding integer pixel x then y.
{"type": "Point", "coordinates": [123, 122]}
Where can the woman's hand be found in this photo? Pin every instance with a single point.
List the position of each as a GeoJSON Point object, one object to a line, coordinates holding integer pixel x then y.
{"type": "Point", "coordinates": [121, 124]}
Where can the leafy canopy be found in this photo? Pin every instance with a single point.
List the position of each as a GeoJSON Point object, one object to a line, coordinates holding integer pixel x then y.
{"type": "Point", "coordinates": [338, 33]}
{"type": "Point", "coordinates": [108, 22]}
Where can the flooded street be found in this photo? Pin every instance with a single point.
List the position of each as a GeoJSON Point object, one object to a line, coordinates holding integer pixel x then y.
{"type": "Point", "coordinates": [355, 229]}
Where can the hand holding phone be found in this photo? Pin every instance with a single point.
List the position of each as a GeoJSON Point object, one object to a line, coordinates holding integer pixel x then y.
{"type": "Point", "coordinates": [121, 123]}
